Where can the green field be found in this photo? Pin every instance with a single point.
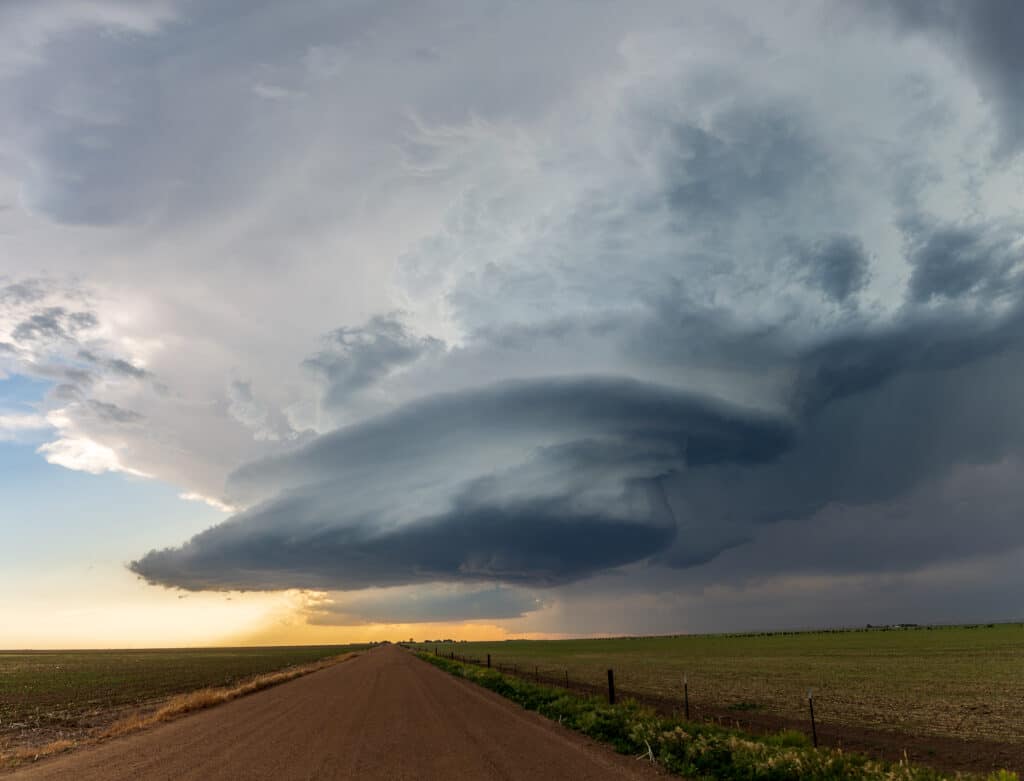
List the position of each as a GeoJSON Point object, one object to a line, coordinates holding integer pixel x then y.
{"type": "Point", "coordinates": [702, 750]}
{"type": "Point", "coordinates": [950, 681]}
{"type": "Point", "coordinates": [46, 695]}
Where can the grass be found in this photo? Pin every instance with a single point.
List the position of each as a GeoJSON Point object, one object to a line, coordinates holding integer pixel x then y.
{"type": "Point", "coordinates": [949, 681]}
{"type": "Point", "coordinates": [210, 696]}
{"type": "Point", "coordinates": [52, 701]}
{"type": "Point", "coordinates": [696, 751]}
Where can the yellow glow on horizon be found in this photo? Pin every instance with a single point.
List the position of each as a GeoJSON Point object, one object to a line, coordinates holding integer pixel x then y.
{"type": "Point", "coordinates": [295, 630]}
{"type": "Point", "coordinates": [164, 619]}
{"type": "Point", "coordinates": [158, 618]}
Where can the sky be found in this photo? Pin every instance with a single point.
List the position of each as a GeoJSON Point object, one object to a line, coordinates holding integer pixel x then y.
{"type": "Point", "coordinates": [343, 321]}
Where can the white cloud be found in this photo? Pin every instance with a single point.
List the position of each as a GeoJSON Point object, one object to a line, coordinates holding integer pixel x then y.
{"type": "Point", "coordinates": [214, 503]}
{"type": "Point", "coordinates": [14, 424]}
{"type": "Point", "coordinates": [85, 455]}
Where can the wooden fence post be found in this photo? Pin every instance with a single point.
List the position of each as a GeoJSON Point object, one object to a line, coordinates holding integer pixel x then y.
{"type": "Point", "coordinates": [686, 697]}
{"type": "Point", "coordinates": [814, 728]}
{"type": "Point", "coordinates": [488, 661]}
{"type": "Point", "coordinates": [611, 687]}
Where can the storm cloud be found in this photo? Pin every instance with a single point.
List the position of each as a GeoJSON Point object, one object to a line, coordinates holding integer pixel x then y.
{"type": "Point", "coordinates": [632, 472]}
{"type": "Point", "coordinates": [534, 483]}
{"type": "Point", "coordinates": [838, 266]}
{"type": "Point", "coordinates": [641, 318]}
{"type": "Point", "coordinates": [353, 359]}
{"type": "Point", "coordinates": [955, 262]}
{"type": "Point", "coordinates": [410, 606]}
{"type": "Point", "coordinates": [987, 34]}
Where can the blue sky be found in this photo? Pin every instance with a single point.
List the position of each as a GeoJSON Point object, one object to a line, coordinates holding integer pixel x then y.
{"type": "Point", "coordinates": [334, 321]}
{"type": "Point", "coordinates": [68, 535]}
{"type": "Point", "coordinates": [81, 519]}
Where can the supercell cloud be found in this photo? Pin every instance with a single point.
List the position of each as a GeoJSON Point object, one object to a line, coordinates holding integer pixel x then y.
{"type": "Point", "coordinates": [555, 317]}
{"type": "Point", "coordinates": [536, 483]}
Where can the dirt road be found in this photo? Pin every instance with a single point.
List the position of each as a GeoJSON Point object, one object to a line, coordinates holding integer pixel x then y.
{"type": "Point", "coordinates": [383, 715]}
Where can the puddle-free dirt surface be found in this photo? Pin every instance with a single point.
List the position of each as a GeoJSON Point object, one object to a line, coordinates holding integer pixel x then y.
{"type": "Point", "coordinates": [384, 715]}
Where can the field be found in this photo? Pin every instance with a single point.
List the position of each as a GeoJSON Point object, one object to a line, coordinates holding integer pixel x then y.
{"type": "Point", "coordinates": [57, 695]}
{"type": "Point", "coordinates": [957, 682]}
{"type": "Point", "coordinates": [703, 750]}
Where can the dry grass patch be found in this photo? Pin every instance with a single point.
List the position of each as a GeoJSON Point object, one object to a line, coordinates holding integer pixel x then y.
{"type": "Point", "coordinates": [31, 754]}
{"type": "Point", "coordinates": [208, 697]}
{"type": "Point", "coordinates": [176, 706]}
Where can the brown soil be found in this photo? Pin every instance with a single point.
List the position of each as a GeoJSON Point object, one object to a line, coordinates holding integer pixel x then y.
{"type": "Point", "coordinates": [941, 752]}
{"type": "Point", "coordinates": [383, 715]}
{"type": "Point", "coordinates": [26, 743]}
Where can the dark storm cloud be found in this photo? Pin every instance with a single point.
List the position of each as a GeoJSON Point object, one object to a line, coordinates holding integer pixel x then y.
{"type": "Point", "coordinates": [698, 269]}
{"type": "Point", "coordinates": [581, 494]}
{"type": "Point", "coordinates": [417, 606]}
{"type": "Point", "coordinates": [355, 358]}
{"type": "Point", "coordinates": [837, 266]}
{"type": "Point", "coordinates": [957, 261]}
{"type": "Point", "coordinates": [963, 276]}
{"type": "Point", "coordinates": [858, 362]}
{"type": "Point", "coordinates": [930, 554]}
{"type": "Point", "coordinates": [938, 342]}
{"type": "Point", "coordinates": [969, 513]}
{"type": "Point", "coordinates": [676, 425]}
{"type": "Point", "coordinates": [988, 33]}
{"type": "Point", "coordinates": [879, 415]}
{"type": "Point", "coordinates": [750, 155]}
{"type": "Point", "coordinates": [539, 543]}
{"type": "Point", "coordinates": [869, 447]}
{"type": "Point", "coordinates": [494, 484]}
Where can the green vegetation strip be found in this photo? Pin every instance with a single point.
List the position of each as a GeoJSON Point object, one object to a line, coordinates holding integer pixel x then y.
{"type": "Point", "coordinates": [960, 682]}
{"type": "Point", "coordinates": [697, 751]}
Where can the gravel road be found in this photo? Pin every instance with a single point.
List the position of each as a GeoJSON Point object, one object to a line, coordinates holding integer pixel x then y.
{"type": "Point", "coordinates": [383, 715]}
